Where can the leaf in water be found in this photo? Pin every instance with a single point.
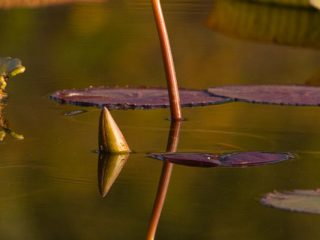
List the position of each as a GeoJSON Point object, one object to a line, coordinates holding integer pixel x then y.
{"type": "Point", "coordinates": [307, 201]}
{"type": "Point", "coordinates": [189, 159]}
{"type": "Point", "coordinates": [271, 94]}
{"type": "Point", "coordinates": [133, 98]}
{"type": "Point", "coordinates": [273, 23]}
{"type": "Point", "coordinates": [247, 159]}
{"type": "Point", "coordinates": [38, 3]}
{"type": "Point", "coordinates": [109, 168]}
{"type": "Point", "coordinates": [241, 159]}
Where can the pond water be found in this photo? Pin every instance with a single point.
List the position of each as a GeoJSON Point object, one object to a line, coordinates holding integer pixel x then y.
{"type": "Point", "coordinates": [49, 181]}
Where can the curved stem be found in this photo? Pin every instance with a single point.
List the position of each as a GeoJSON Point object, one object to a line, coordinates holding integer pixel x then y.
{"type": "Point", "coordinates": [164, 181]}
{"type": "Point", "coordinates": [172, 83]}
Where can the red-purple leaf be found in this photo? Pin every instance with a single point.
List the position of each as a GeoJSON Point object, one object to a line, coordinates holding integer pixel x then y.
{"type": "Point", "coordinates": [246, 159]}
{"type": "Point", "coordinates": [133, 98]}
{"type": "Point", "coordinates": [241, 159]}
{"type": "Point", "coordinates": [189, 159]}
{"type": "Point", "coordinates": [271, 94]}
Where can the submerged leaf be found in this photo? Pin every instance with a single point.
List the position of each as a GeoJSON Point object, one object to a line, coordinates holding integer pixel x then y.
{"type": "Point", "coordinates": [133, 98]}
{"type": "Point", "coordinates": [307, 201]}
{"type": "Point", "coordinates": [263, 22]}
{"type": "Point", "coordinates": [111, 139]}
{"type": "Point", "coordinates": [241, 159]}
{"type": "Point", "coordinates": [109, 168]}
{"type": "Point", "coordinates": [271, 94]}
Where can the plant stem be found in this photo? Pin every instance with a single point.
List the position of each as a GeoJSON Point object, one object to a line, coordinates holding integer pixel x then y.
{"type": "Point", "coordinates": [164, 181]}
{"type": "Point", "coordinates": [172, 83]}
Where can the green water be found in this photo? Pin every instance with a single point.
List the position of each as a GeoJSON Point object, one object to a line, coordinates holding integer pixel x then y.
{"type": "Point", "coordinates": [49, 181]}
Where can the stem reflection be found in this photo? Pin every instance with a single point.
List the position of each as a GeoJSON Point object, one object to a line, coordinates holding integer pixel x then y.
{"type": "Point", "coordinates": [164, 181]}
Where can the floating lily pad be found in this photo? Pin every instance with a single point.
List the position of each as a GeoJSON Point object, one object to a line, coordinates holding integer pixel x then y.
{"type": "Point", "coordinates": [10, 67]}
{"type": "Point", "coordinates": [133, 98]}
{"type": "Point", "coordinates": [241, 159]}
{"type": "Point", "coordinates": [307, 201]}
{"type": "Point", "coordinates": [271, 94]}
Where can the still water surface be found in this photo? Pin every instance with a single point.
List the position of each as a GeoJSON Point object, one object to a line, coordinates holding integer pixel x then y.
{"type": "Point", "coordinates": [49, 181]}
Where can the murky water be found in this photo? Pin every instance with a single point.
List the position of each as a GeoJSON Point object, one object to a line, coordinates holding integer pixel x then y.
{"type": "Point", "coordinates": [49, 181]}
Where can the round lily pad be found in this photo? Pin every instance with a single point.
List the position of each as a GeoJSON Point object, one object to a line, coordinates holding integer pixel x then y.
{"type": "Point", "coordinates": [133, 98]}
{"type": "Point", "coordinates": [240, 159]}
{"type": "Point", "coordinates": [307, 201]}
{"type": "Point", "coordinates": [271, 94]}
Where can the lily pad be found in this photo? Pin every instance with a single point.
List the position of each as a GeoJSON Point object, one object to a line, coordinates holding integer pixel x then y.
{"type": "Point", "coordinates": [10, 67]}
{"type": "Point", "coordinates": [271, 94]}
{"type": "Point", "coordinates": [240, 159]}
{"type": "Point", "coordinates": [307, 201]}
{"type": "Point", "coordinates": [133, 98]}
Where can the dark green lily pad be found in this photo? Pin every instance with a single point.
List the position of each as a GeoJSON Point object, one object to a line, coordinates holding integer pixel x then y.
{"type": "Point", "coordinates": [240, 159]}
{"type": "Point", "coordinates": [307, 201]}
{"type": "Point", "coordinates": [133, 98]}
{"type": "Point", "coordinates": [271, 94]}
{"type": "Point", "coordinates": [10, 67]}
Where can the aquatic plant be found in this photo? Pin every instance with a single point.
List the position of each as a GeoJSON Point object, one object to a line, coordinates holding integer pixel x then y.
{"type": "Point", "coordinates": [111, 139]}
{"type": "Point", "coordinates": [9, 67]}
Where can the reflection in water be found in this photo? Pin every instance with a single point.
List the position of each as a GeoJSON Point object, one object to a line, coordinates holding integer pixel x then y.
{"type": "Point", "coordinates": [4, 126]}
{"type": "Point", "coordinates": [109, 168]}
{"type": "Point", "coordinates": [279, 24]}
{"type": "Point", "coordinates": [172, 145]}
